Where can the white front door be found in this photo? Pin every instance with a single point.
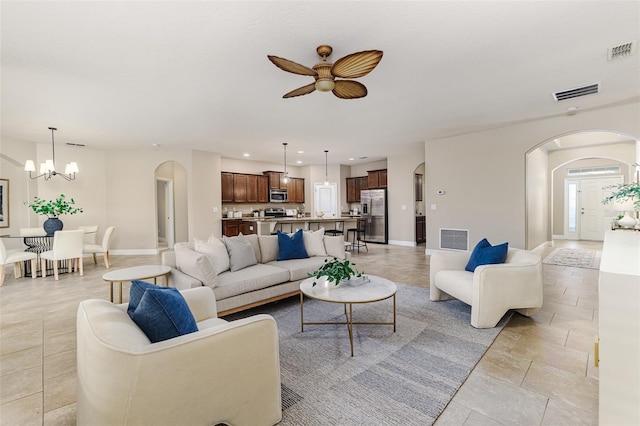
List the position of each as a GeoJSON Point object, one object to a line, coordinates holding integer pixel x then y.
{"type": "Point", "coordinates": [326, 199]}
{"type": "Point", "coordinates": [586, 218]}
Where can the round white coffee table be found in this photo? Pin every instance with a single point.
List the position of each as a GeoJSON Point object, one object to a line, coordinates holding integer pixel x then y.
{"type": "Point", "coordinates": [144, 272]}
{"type": "Point", "coordinates": [375, 290]}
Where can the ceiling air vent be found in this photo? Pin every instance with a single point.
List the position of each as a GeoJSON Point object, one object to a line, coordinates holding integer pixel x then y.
{"type": "Point", "coordinates": [577, 92]}
{"type": "Point", "coordinates": [624, 49]}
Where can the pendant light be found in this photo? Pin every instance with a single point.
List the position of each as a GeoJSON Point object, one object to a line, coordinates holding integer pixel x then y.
{"type": "Point", "coordinates": [326, 168]}
{"type": "Point", "coordinates": [285, 175]}
{"type": "Point", "coordinates": [48, 168]}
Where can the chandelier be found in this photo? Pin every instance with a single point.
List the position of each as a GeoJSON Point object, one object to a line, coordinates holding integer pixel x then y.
{"type": "Point", "coordinates": [326, 168]}
{"type": "Point", "coordinates": [48, 168]}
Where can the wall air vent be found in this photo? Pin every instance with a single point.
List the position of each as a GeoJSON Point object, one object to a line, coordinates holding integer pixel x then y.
{"type": "Point", "coordinates": [454, 239]}
{"type": "Point", "coordinates": [577, 92]}
{"type": "Point", "coordinates": [622, 50]}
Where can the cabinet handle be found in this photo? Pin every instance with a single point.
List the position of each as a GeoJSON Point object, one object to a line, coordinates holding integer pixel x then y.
{"type": "Point", "coordinates": [596, 352]}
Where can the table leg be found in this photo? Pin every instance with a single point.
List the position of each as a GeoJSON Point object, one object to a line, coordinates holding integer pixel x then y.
{"type": "Point", "coordinates": [120, 291]}
{"type": "Point", "coordinates": [394, 313]}
{"type": "Point", "coordinates": [301, 312]}
{"type": "Point", "coordinates": [111, 291]}
{"type": "Point", "coordinates": [350, 325]}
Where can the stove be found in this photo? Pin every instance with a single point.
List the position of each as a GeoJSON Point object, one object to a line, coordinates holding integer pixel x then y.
{"type": "Point", "coordinates": [271, 212]}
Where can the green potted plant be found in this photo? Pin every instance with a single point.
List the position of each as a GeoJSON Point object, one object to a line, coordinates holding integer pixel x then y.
{"type": "Point", "coordinates": [625, 194]}
{"type": "Point", "coordinates": [53, 209]}
{"type": "Point", "coordinates": [336, 271]}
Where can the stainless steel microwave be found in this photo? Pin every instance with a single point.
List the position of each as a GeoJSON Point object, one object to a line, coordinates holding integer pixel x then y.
{"type": "Point", "coordinates": [278, 195]}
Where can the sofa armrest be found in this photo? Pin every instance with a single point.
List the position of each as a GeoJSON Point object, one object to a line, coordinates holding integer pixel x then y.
{"type": "Point", "coordinates": [227, 374]}
{"type": "Point", "coordinates": [202, 302]}
{"type": "Point", "coordinates": [519, 284]}
{"type": "Point", "coordinates": [182, 281]}
{"type": "Point", "coordinates": [169, 258]}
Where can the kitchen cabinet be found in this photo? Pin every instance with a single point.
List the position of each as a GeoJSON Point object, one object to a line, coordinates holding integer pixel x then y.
{"type": "Point", "coordinates": [354, 186]}
{"type": "Point", "coordinates": [239, 188]}
{"type": "Point", "coordinates": [377, 179]}
{"type": "Point", "coordinates": [297, 195]}
{"type": "Point", "coordinates": [421, 229]}
{"type": "Point", "coordinates": [227, 187]}
{"type": "Point", "coordinates": [244, 188]}
{"type": "Point", "coordinates": [274, 180]}
{"type": "Point", "coordinates": [231, 227]}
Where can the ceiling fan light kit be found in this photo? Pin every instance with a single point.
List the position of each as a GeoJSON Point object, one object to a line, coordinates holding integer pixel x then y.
{"type": "Point", "coordinates": [351, 66]}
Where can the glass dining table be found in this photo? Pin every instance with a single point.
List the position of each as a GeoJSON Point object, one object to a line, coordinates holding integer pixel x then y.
{"type": "Point", "coordinates": [39, 243]}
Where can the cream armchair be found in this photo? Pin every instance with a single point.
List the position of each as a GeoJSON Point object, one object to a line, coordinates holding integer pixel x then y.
{"type": "Point", "coordinates": [227, 372]}
{"type": "Point", "coordinates": [492, 289]}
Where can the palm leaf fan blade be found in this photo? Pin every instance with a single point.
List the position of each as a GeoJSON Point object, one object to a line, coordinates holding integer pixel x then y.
{"type": "Point", "coordinates": [346, 89]}
{"type": "Point", "coordinates": [357, 64]}
{"type": "Point", "coordinates": [290, 66]}
{"type": "Point", "coordinates": [304, 90]}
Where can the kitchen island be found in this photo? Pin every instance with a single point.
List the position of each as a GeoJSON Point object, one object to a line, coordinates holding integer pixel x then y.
{"type": "Point", "coordinates": [268, 225]}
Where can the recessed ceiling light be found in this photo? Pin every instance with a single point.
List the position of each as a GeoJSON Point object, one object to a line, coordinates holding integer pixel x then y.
{"type": "Point", "coordinates": [155, 145]}
{"type": "Point", "coordinates": [351, 159]}
{"type": "Point", "coordinates": [300, 152]}
{"type": "Point", "coordinates": [246, 154]}
{"type": "Point", "coordinates": [299, 162]}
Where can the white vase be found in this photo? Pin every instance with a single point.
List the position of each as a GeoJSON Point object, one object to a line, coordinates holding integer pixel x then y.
{"type": "Point", "coordinates": [627, 221]}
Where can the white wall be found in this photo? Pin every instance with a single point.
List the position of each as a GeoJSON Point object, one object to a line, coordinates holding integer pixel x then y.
{"type": "Point", "coordinates": [484, 174]}
{"type": "Point", "coordinates": [538, 209]}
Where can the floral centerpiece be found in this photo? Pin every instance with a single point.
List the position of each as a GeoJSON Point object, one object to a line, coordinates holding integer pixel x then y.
{"type": "Point", "coordinates": [53, 209]}
{"type": "Point", "coordinates": [336, 271]}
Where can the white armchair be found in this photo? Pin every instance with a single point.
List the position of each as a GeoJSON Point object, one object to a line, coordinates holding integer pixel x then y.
{"type": "Point", "coordinates": [492, 289]}
{"type": "Point", "coordinates": [227, 372]}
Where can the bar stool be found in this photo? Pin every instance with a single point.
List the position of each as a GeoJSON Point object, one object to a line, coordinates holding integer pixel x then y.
{"type": "Point", "coordinates": [359, 236]}
{"type": "Point", "coordinates": [335, 231]}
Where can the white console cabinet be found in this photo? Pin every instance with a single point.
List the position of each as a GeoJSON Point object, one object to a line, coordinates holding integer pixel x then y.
{"type": "Point", "coordinates": [619, 329]}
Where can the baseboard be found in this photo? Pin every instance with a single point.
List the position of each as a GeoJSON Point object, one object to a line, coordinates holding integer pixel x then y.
{"type": "Point", "coordinates": [133, 252]}
{"type": "Point", "coordinates": [558, 237]}
{"type": "Point", "coordinates": [402, 243]}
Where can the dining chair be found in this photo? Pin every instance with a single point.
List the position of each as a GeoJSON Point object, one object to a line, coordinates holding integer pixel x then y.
{"type": "Point", "coordinates": [101, 248]}
{"type": "Point", "coordinates": [16, 257]}
{"type": "Point", "coordinates": [32, 232]}
{"type": "Point", "coordinates": [90, 233]}
{"type": "Point", "coordinates": [67, 245]}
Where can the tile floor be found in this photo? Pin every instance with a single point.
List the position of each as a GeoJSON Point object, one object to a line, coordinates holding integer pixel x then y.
{"type": "Point", "coordinates": [539, 371]}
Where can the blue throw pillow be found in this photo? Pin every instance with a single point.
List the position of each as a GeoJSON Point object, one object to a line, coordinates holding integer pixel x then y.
{"type": "Point", "coordinates": [291, 246]}
{"type": "Point", "coordinates": [162, 314]}
{"type": "Point", "coordinates": [486, 254]}
{"type": "Point", "coordinates": [137, 291]}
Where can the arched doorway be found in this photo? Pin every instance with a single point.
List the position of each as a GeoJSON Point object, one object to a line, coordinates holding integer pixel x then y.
{"type": "Point", "coordinates": [171, 204]}
{"type": "Point", "coordinates": [582, 156]}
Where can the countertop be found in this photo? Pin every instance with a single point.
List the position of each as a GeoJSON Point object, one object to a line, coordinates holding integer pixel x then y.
{"type": "Point", "coordinates": [291, 219]}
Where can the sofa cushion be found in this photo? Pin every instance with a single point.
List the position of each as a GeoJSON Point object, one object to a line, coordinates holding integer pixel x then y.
{"type": "Point", "coordinates": [195, 264]}
{"type": "Point", "coordinates": [163, 314]}
{"type": "Point", "coordinates": [334, 246]}
{"type": "Point", "coordinates": [268, 247]}
{"type": "Point", "coordinates": [241, 252]}
{"type": "Point", "coordinates": [314, 242]}
{"type": "Point", "coordinates": [486, 254]}
{"type": "Point", "coordinates": [299, 269]}
{"type": "Point", "coordinates": [458, 283]}
{"type": "Point", "coordinates": [216, 252]}
{"type": "Point", "coordinates": [249, 279]}
{"type": "Point", "coordinates": [291, 246]}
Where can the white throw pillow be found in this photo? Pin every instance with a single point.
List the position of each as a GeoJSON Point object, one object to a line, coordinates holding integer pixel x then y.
{"type": "Point", "coordinates": [313, 243]}
{"type": "Point", "coordinates": [269, 247]}
{"type": "Point", "coordinates": [334, 246]}
{"type": "Point", "coordinates": [216, 251]}
{"type": "Point", "coordinates": [253, 239]}
{"type": "Point", "coordinates": [196, 265]}
{"type": "Point", "coordinates": [241, 254]}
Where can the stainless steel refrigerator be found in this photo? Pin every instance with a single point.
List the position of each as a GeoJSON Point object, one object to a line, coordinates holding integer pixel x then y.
{"type": "Point", "coordinates": [373, 203]}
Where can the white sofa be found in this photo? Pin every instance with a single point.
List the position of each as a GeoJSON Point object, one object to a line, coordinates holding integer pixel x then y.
{"type": "Point", "coordinates": [266, 281]}
{"type": "Point", "coordinates": [491, 290]}
{"type": "Point", "coordinates": [226, 372]}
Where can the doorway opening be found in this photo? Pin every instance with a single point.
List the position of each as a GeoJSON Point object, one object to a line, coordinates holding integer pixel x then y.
{"type": "Point", "coordinates": [419, 204]}
{"type": "Point", "coordinates": [171, 224]}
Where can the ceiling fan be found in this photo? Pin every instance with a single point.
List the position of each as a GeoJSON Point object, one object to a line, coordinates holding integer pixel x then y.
{"type": "Point", "coordinates": [351, 66]}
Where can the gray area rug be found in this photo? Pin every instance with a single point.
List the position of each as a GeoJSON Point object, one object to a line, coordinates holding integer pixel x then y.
{"type": "Point", "coordinates": [402, 378]}
{"type": "Point", "coordinates": [577, 258]}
